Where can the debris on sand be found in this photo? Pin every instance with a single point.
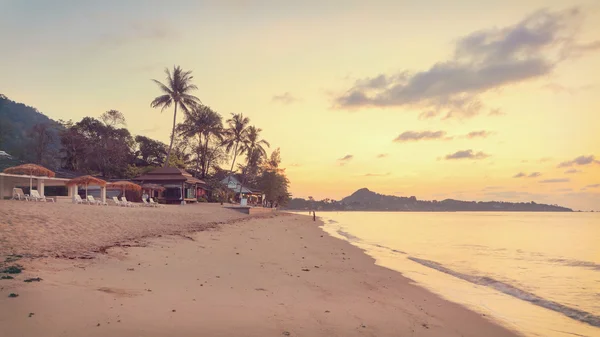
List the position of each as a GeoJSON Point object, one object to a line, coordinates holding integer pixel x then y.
{"type": "Point", "coordinates": [13, 295]}
{"type": "Point", "coordinates": [34, 279]}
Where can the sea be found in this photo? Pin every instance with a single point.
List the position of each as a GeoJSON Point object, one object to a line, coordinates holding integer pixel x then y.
{"type": "Point", "coordinates": [535, 273]}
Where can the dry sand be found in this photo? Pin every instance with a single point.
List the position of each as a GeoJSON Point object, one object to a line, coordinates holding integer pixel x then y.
{"type": "Point", "coordinates": [271, 276]}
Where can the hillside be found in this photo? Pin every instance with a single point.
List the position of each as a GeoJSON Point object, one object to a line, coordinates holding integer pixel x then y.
{"type": "Point", "coordinates": [366, 200]}
{"type": "Point", "coordinates": [17, 121]}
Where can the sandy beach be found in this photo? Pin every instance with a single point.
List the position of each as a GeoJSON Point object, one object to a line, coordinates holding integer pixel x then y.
{"type": "Point", "coordinates": [204, 270]}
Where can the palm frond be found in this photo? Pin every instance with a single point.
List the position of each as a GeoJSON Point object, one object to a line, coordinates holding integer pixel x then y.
{"type": "Point", "coordinates": [163, 87]}
{"type": "Point", "coordinates": [163, 102]}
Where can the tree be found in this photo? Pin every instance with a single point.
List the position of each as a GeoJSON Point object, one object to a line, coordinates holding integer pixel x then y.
{"type": "Point", "coordinates": [253, 146]}
{"type": "Point", "coordinates": [273, 181]}
{"type": "Point", "coordinates": [202, 122]}
{"type": "Point", "coordinates": [177, 93]}
{"type": "Point", "coordinates": [150, 152]}
{"type": "Point", "coordinates": [113, 118]}
{"type": "Point", "coordinates": [234, 135]}
{"type": "Point", "coordinates": [41, 137]}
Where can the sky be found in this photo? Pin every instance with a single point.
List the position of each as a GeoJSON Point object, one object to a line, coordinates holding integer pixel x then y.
{"type": "Point", "coordinates": [464, 99]}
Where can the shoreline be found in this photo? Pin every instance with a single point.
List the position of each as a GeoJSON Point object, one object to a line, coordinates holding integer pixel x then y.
{"type": "Point", "coordinates": [277, 275]}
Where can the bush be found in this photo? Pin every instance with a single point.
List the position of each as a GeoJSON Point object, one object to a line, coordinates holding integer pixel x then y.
{"type": "Point", "coordinates": [202, 199]}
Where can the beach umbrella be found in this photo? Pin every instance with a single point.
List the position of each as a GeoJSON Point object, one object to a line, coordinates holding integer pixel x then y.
{"type": "Point", "coordinates": [31, 170]}
{"type": "Point", "coordinates": [123, 186]}
{"type": "Point", "coordinates": [85, 181]}
{"type": "Point", "coordinates": [153, 187]}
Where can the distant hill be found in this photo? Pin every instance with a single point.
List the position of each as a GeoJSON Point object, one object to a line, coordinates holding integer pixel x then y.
{"type": "Point", "coordinates": [16, 123]}
{"type": "Point", "coordinates": [366, 200]}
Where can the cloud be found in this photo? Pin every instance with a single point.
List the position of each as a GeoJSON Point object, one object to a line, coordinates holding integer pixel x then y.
{"type": "Point", "coordinates": [573, 171]}
{"type": "Point", "coordinates": [377, 174]}
{"type": "Point", "coordinates": [561, 89]}
{"type": "Point", "coordinates": [496, 112]}
{"type": "Point", "coordinates": [409, 136]}
{"type": "Point", "coordinates": [484, 60]}
{"type": "Point", "coordinates": [154, 128]}
{"type": "Point", "coordinates": [137, 31]}
{"type": "Point", "coordinates": [479, 134]}
{"type": "Point", "coordinates": [581, 160]}
{"type": "Point", "coordinates": [545, 159]}
{"type": "Point", "coordinates": [489, 188]}
{"type": "Point", "coordinates": [285, 98]}
{"type": "Point", "coordinates": [593, 186]}
{"type": "Point", "coordinates": [467, 154]}
{"type": "Point", "coordinates": [345, 159]}
{"type": "Point", "coordinates": [560, 180]}
{"type": "Point", "coordinates": [295, 165]}
{"type": "Point", "coordinates": [382, 155]}
{"type": "Point", "coordinates": [525, 175]}
{"type": "Point", "coordinates": [564, 190]}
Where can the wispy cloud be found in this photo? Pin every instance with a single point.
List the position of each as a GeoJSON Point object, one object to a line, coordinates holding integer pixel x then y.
{"type": "Point", "coordinates": [285, 98]}
{"type": "Point", "coordinates": [413, 136]}
{"type": "Point", "coordinates": [559, 180]}
{"type": "Point", "coordinates": [467, 154]}
{"type": "Point", "coordinates": [345, 159]}
{"type": "Point", "coordinates": [154, 128]}
{"type": "Point", "coordinates": [489, 188]}
{"type": "Point", "coordinates": [136, 31]}
{"type": "Point", "coordinates": [573, 171]}
{"type": "Point", "coordinates": [593, 186]}
{"type": "Point", "coordinates": [377, 174]}
{"type": "Point", "coordinates": [525, 175]}
{"type": "Point", "coordinates": [561, 89]}
{"type": "Point", "coordinates": [545, 159]}
{"type": "Point", "coordinates": [295, 165]}
{"type": "Point", "coordinates": [581, 160]}
{"type": "Point", "coordinates": [484, 60]}
{"type": "Point", "coordinates": [382, 155]}
{"type": "Point", "coordinates": [496, 112]}
{"type": "Point", "coordinates": [479, 134]}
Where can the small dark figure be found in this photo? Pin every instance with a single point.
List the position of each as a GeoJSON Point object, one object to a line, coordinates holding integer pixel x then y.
{"type": "Point", "coordinates": [314, 216]}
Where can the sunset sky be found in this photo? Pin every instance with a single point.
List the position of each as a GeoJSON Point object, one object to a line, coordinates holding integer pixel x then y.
{"type": "Point", "coordinates": [469, 99]}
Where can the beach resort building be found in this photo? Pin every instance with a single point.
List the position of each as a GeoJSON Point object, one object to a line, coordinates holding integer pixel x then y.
{"type": "Point", "coordinates": [179, 185]}
{"type": "Point", "coordinates": [253, 196]}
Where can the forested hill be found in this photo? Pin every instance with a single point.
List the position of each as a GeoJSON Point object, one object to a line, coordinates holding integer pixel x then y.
{"type": "Point", "coordinates": [366, 200]}
{"type": "Point", "coordinates": [21, 125]}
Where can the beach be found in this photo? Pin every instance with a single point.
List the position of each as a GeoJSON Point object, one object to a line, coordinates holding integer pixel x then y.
{"type": "Point", "coordinates": [204, 270]}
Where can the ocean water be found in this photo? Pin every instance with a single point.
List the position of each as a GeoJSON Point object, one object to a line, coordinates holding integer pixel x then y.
{"type": "Point", "coordinates": [536, 273]}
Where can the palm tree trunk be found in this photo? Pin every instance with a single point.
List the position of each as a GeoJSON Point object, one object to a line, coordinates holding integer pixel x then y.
{"type": "Point", "coordinates": [198, 153]}
{"type": "Point", "coordinates": [205, 161]}
{"type": "Point", "coordinates": [172, 136]}
{"type": "Point", "coordinates": [232, 163]}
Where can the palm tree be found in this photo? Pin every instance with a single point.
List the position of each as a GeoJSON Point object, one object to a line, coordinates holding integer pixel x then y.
{"type": "Point", "coordinates": [177, 92]}
{"type": "Point", "coordinates": [234, 135]}
{"type": "Point", "coordinates": [254, 150]}
{"type": "Point", "coordinates": [201, 121]}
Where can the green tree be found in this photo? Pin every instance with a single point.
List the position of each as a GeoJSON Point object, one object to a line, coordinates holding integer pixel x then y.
{"type": "Point", "coordinates": [273, 181]}
{"type": "Point", "coordinates": [149, 152]}
{"type": "Point", "coordinates": [254, 148]}
{"type": "Point", "coordinates": [40, 137]}
{"type": "Point", "coordinates": [202, 122]}
{"type": "Point", "coordinates": [235, 134]}
{"type": "Point", "coordinates": [113, 118]}
{"type": "Point", "coordinates": [176, 92]}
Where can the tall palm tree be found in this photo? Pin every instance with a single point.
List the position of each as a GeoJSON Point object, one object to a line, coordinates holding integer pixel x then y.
{"type": "Point", "coordinates": [176, 92]}
{"type": "Point", "coordinates": [234, 135]}
{"type": "Point", "coordinates": [201, 121]}
{"type": "Point", "coordinates": [254, 149]}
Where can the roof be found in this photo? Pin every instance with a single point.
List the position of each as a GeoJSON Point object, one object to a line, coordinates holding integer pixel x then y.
{"type": "Point", "coordinates": [168, 175]}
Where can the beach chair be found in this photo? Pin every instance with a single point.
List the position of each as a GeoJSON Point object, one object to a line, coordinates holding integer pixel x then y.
{"type": "Point", "coordinates": [92, 200]}
{"type": "Point", "coordinates": [154, 204]}
{"type": "Point", "coordinates": [117, 202]}
{"type": "Point", "coordinates": [35, 196]}
{"type": "Point", "coordinates": [127, 203]}
{"type": "Point", "coordinates": [19, 195]}
{"type": "Point", "coordinates": [47, 198]}
{"type": "Point", "coordinates": [145, 203]}
{"type": "Point", "coordinates": [78, 199]}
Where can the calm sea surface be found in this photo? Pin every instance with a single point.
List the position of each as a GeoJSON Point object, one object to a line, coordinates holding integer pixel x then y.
{"type": "Point", "coordinates": [537, 273]}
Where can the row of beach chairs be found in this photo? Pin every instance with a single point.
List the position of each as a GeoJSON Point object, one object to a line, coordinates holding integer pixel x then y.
{"type": "Point", "coordinates": [123, 202]}
{"type": "Point", "coordinates": [34, 196]}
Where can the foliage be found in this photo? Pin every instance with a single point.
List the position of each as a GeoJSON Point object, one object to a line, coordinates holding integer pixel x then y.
{"type": "Point", "coordinates": [149, 152]}
{"type": "Point", "coordinates": [16, 269]}
{"type": "Point", "coordinates": [113, 118]}
{"type": "Point", "coordinates": [273, 181]}
{"type": "Point", "coordinates": [41, 137]}
{"type": "Point", "coordinates": [177, 93]}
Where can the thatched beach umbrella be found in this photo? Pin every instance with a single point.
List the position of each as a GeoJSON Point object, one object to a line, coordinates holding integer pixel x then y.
{"type": "Point", "coordinates": [152, 188]}
{"type": "Point", "coordinates": [31, 170]}
{"type": "Point", "coordinates": [123, 186]}
{"type": "Point", "coordinates": [86, 180]}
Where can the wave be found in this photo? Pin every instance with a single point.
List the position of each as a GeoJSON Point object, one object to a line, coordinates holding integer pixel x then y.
{"type": "Point", "coordinates": [579, 315]}
{"type": "Point", "coordinates": [390, 249]}
{"type": "Point", "coordinates": [348, 236]}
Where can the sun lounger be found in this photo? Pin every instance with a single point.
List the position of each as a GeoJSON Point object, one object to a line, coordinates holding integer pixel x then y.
{"type": "Point", "coordinates": [91, 199]}
{"type": "Point", "coordinates": [35, 195]}
{"type": "Point", "coordinates": [117, 202]}
{"type": "Point", "coordinates": [155, 204]}
{"type": "Point", "coordinates": [127, 203]}
{"type": "Point", "coordinates": [145, 203]}
{"type": "Point", "coordinates": [19, 195]}
{"type": "Point", "coordinates": [78, 199]}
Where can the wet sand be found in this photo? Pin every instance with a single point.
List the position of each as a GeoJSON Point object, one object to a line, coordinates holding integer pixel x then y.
{"type": "Point", "coordinates": [270, 276]}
